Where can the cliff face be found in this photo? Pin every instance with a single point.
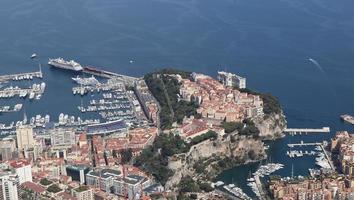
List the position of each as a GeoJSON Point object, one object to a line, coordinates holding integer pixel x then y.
{"type": "Point", "coordinates": [237, 150]}
{"type": "Point", "coordinates": [271, 126]}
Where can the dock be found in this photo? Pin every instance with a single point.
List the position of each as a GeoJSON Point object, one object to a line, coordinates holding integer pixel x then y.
{"type": "Point", "coordinates": [328, 158]}
{"type": "Point", "coordinates": [263, 194]}
{"type": "Point", "coordinates": [128, 80]}
{"type": "Point", "coordinates": [302, 143]}
{"type": "Point", "coordinates": [294, 131]}
{"type": "Point", "coordinates": [21, 76]}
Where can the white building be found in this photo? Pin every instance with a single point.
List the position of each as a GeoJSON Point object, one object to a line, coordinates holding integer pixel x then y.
{"type": "Point", "coordinates": [24, 136]}
{"type": "Point", "coordinates": [62, 136]}
{"type": "Point", "coordinates": [9, 186]}
{"type": "Point", "coordinates": [231, 80]}
{"type": "Point", "coordinates": [83, 193]}
{"type": "Point", "coordinates": [23, 170]}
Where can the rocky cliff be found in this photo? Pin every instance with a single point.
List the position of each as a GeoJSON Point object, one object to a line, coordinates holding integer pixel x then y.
{"type": "Point", "coordinates": [271, 126]}
{"type": "Point", "coordinates": [207, 159]}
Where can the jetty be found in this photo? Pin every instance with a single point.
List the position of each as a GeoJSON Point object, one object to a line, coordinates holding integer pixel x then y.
{"type": "Point", "coordinates": [294, 131]}
{"type": "Point", "coordinates": [263, 194]}
{"type": "Point", "coordinates": [302, 143]}
{"type": "Point", "coordinates": [21, 76]}
{"type": "Point", "coordinates": [128, 80]}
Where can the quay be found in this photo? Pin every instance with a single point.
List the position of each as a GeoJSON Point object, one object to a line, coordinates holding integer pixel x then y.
{"type": "Point", "coordinates": [128, 80]}
{"type": "Point", "coordinates": [304, 144]}
{"type": "Point", "coordinates": [328, 158]}
{"type": "Point", "coordinates": [263, 195]}
{"type": "Point", "coordinates": [294, 131]}
{"type": "Point", "coordinates": [21, 76]}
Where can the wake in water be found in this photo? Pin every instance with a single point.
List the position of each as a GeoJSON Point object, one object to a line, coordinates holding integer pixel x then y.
{"type": "Point", "coordinates": [317, 65]}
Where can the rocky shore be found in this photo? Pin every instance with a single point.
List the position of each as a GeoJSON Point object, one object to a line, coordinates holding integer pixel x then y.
{"type": "Point", "coordinates": [209, 158]}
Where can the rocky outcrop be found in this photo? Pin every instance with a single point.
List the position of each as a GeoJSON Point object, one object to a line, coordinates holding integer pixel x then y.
{"type": "Point", "coordinates": [237, 149]}
{"type": "Point", "coordinates": [271, 126]}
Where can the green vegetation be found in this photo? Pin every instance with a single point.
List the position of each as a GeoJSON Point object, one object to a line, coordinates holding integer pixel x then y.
{"type": "Point", "coordinates": [45, 182]}
{"type": "Point", "coordinates": [205, 136]}
{"type": "Point", "coordinates": [54, 188]}
{"type": "Point", "coordinates": [81, 188]}
{"type": "Point", "coordinates": [187, 184]}
{"type": "Point", "coordinates": [232, 126]}
{"type": "Point", "coordinates": [126, 155]}
{"type": "Point", "coordinates": [271, 104]}
{"type": "Point", "coordinates": [206, 187]}
{"type": "Point", "coordinates": [246, 128]}
{"type": "Point", "coordinates": [166, 88]}
{"type": "Point", "coordinates": [154, 159]}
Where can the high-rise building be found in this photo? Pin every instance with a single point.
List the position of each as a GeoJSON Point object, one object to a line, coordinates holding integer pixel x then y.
{"type": "Point", "coordinates": [7, 149]}
{"type": "Point", "coordinates": [9, 183]}
{"type": "Point", "coordinates": [24, 136]}
{"type": "Point", "coordinates": [77, 172]}
{"type": "Point", "coordinates": [23, 170]}
{"type": "Point", "coordinates": [231, 80]}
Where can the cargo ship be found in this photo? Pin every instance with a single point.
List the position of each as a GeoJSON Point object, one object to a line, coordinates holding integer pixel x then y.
{"type": "Point", "coordinates": [347, 118]}
{"type": "Point", "coordinates": [63, 64]}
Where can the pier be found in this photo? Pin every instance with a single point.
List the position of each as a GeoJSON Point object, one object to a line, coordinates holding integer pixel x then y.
{"type": "Point", "coordinates": [328, 158]}
{"type": "Point", "coordinates": [263, 195]}
{"type": "Point", "coordinates": [294, 131]}
{"type": "Point", "coordinates": [21, 76]}
{"type": "Point", "coordinates": [128, 80]}
{"type": "Point", "coordinates": [304, 144]}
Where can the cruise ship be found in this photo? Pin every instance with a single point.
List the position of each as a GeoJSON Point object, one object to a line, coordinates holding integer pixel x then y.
{"type": "Point", "coordinates": [63, 64]}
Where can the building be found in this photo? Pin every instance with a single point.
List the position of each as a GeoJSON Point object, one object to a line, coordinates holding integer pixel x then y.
{"type": "Point", "coordinates": [231, 80]}
{"type": "Point", "coordinates": [112, 181]}
{"type": "Point", "coordinates": [147, 100]}
{"type": "Point", "coordinates": [62, 137]}
{"type": "Point", "coordinates": [131, 186]}
{"type": "Point", "coordinates": [7, 149]}
{"type": "Point", "coordinates": [30, 190]}
{"type": "Point", "coordinates": [9, 186]}
{"type": "Point", "coordinates": [23, 170]}
{"type": "Point", "coordinates": [24, 136]}
{"type": "Point", "coordinates": [83, 193]}
{"type": "Point", "coordinates": [102, 178]}
{"type": "Point", "coordinates": [77, 172]}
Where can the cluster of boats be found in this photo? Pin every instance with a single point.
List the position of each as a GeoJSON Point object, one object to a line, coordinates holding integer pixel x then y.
{"type": "Point", "coordinates": [237, 192]}
{"type": "Point", "coordinates": [21, 77]}
{"type": "Point", "coordinates": [110, 85]}
{"type": "Point", "coordinates": [295, 153]}
{"type": "Point", "coordinates": [86, 81]}
{"type": "Point", "coordinates": [266, 170]}
{"type": "Point", "coordinates": [35, 91]}
{"type": "Point", "coordinates": [16, 108]}
{"type": "Point", "coordinates": [322, 161]}
{"type": "Point", "coordinates": [65, 119]}
{"type": "Point", "coordinates": [263, 170]}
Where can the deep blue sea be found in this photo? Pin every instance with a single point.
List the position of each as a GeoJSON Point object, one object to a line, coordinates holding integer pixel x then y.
{"type": "Point", "coordinates": [269, 42]}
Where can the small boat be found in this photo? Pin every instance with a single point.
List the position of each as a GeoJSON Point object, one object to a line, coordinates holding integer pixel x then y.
{"type": "Point", "coordinates": [33, 56]}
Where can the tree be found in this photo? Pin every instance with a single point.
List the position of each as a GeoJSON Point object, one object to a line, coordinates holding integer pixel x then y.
{"type": "Point", "coordinates": [126, 155]}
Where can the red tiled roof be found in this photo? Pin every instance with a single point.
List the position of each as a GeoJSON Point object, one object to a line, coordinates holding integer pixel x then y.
{"type": "Point", "coordinates": [33, 186]}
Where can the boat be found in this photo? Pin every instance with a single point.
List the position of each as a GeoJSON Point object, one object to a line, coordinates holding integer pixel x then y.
{"type": "Point", "coordinates": [63, 64]}
{"type": "Point", "coordinates": [347, 118]}
{"type": "Point", "coordinates": [33, 56]}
